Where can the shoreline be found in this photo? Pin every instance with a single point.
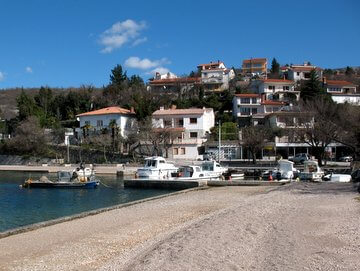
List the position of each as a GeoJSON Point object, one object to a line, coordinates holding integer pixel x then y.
{"type": "Point", "coordinates": [51, 222]}
{"type": "Point", "coordinates": [221, 228]}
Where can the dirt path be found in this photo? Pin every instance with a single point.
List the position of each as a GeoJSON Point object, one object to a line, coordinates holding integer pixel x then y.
{"type": "Point", "coordinates": [297, 227]}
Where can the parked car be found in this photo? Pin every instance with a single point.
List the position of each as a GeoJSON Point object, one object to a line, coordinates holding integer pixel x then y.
{"type": "Point", "coordinates": [300, 158]}
{"type": "Point", "coordinates": [346, 159]}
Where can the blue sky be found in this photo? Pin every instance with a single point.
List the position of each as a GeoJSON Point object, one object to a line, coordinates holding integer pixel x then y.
{"type": "Point", "coordinates": [73, 42]}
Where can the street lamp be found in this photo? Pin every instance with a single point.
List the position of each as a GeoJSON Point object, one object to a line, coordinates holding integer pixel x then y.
{"type": "Point", "coordinates": [219, 151]}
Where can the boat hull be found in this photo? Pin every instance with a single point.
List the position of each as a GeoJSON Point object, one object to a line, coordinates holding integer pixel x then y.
{"type": "Point", "coordinates": [92, 184]}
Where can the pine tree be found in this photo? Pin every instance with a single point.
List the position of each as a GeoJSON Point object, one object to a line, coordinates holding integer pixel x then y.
{"type": "Point", "coordinates": [117, 76]}
{"type": "Point", "coordinates": [275, 66]}
{"type": "Point", "coordinates": [312, 88]}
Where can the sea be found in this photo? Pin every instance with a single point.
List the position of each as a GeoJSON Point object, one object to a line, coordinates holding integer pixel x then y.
{"type": "Point", "coordinates": [20, 207]}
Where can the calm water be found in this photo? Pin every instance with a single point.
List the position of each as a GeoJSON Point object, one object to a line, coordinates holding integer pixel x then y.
{"type": "Point", "coordinates": [20, 207]}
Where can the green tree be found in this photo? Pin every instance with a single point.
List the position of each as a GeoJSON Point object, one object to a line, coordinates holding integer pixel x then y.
{"type": "Point", "coordinates": [275, 66]}
{"type": "Point", "coordinates": [117, 76]}
{"type": "Point", "coordinates": [349, 71]}
{"type": "Point", "coordinates": [136, 82]}
{"type": "Point", "coordinates": [26, 105]}
{"type": "Point", "coordinates": [312, 88]}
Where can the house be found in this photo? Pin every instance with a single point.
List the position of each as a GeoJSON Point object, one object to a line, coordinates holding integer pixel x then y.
{"type": "Point", "coordinates": [98, 120]}
{"type": "Point", "coordinates": [215, 76]}
{"type": "Point", "coordinates": [255, 106]}
{"type": "Point", "coordinates": [342, 91]}
{"type": "Point", "coordinates": [276, 89]}
{"type": "Point", "coordinates": [254, 66]}
{"type": "Point", "coordinates": [301, 72]}
{"type": "Point", "coordinates": [193, 124]}
{"type": "Point", "coordinates": [174, 84]}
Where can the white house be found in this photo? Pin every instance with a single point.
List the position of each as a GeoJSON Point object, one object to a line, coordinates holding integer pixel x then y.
{"type": "Point", "coordinates": [215, 76]}
{"type": "Point", "coordinates": [195, 123]}
{"type": "Point", "coordinates": [342, 91]}
{"type": "Point", "coordinates": [276, 89]}
{"type": "Point", "coordinates": [253, 105]}
{"type": "Point", "coordinates": [98, 120]}
{"type": "Point", "coordinates": [302, 72]}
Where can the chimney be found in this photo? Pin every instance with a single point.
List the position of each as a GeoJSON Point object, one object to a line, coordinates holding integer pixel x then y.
{"type": "Point", "coordinates": [132, 110]}
{"type": "Point", "coordinates": [173, 107]}
{"type": "Point", "coordinates": [263, 97]}
{"type": "Point", "coordinates": [324, 80]}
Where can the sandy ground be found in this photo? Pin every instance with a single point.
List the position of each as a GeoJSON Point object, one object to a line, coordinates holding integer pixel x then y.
{"type": "Point", "coordinates": [301, 226]}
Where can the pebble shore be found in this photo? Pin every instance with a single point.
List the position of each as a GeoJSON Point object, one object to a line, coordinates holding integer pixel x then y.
{"type": "Point", "coordinates": [301, 226]}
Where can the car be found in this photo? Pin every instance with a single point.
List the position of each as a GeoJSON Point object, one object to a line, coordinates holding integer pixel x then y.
{"type": "Point", "coordinates": [346, 159]}
{"type": "Point", "coordinates": [300, 158]}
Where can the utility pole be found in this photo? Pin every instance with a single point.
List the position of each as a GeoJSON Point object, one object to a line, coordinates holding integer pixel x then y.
{"type": "Point", "coordinates": [219, 141]}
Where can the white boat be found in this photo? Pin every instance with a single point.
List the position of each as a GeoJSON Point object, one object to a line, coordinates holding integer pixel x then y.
{"type": "Point", "coordinates": [338, 178]}
{"type": "Point", "coordinates": [284, 170]}
{"type": "Point", "coordinates": [157, 168]}
{"type": "Point", "coordinates": [214, 168]}
{"type": "Point", "coordinates": [194, 173]}
{"type": "Point", "coordinates": [312, 171]}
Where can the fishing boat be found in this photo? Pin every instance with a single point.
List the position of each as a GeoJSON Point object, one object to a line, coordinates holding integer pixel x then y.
{"type": "Point", "coordinates": [311, 172]}
{"type": "Point", "coordinates": [214, 168]}
{"type": "Point", "coordinates": [284, 170]}
{"type": "Point", "coordinates": [156, 167]}
{"type": "Point", "coordinates": [79, 178]}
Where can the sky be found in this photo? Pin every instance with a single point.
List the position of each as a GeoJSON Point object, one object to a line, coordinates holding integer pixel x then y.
{"type": "Point", "coordinates": [69, 43]}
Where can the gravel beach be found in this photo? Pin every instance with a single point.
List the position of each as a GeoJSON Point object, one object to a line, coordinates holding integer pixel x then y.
{"type": "Point", "coordinates": [301, 226]}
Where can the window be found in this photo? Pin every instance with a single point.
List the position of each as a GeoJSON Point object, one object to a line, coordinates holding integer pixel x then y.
{"type": "Point", "coordinates": [286, 88]}
{"type": "Point", "coordinates": [253, 100]}
{"type": "Point", "coordinates": [182, 150]}
{"type": "Point", "coordinates": [254, 111]}
{"type": "Point", "coordinates": [87, 122]}
{"type": "Point", "coordinates": [193, 134]}
{"type": "Point", "coordinates": [245, 111]}
{"type": "Point", "coordinates": [193, 120]}
{"type": "Point", "coordinates": [181, 122]}
{"type": "Point", "coordinates": [167, 123]}
{"type": "Point", "coordinates": [99, 123]}
{"type": "Point", "coordinates": [307, 75]}
{"type": "Point", "coordinates": [272, 87]}
{"type": "Point", "coordinates": [298, 73]}
{"type": "Point", "coordinates": [175, 151]}
{"type": "Point", "coordinates": [245, 100]}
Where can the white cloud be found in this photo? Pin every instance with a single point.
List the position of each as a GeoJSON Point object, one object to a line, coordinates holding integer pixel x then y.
{"type": "Point", "coordinates": [2, 76]}
{"type": "Point", "coordinates": [144, 64]}
{"type": "Point", "coordinates": [139, 41]}
{"type": "Point", "coordinates": [160, 70]}
{"type": "Point", "coordinates": [120, 33]}
{"type": "Point", "coordinates": [28, 70]}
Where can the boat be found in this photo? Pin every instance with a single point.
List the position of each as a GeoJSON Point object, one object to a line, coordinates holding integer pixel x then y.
{"type": "Point", "coordinates": [214, 168]}
{"type": "Point", "coordinates": [156, 168]}
{"type": "Point", "coordinates": [284, 170]}
{"type": "Point", "coordinates": [194, 173]}
{"type": "Point", "coordinates": [79, 178]}
{"type": "Point", "coordinates": [311, 172]}
{"type": "Point", "coordinates": [337, 178]}
{"type": "Point", "coordinates": [234, 175]}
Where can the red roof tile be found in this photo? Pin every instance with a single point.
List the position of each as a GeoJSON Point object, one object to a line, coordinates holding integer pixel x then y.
{"type": "Point", "coordinates": [255, 60]}
{"type": "Point", "coordinates": [278, 81]}
{"type": "Point", "coordinates": [189, 111]}
{"type": "Point", "coordinates": [107, 110]}
{"type": "Point", "coordinates": [175, 80]}
{"type": "Point", "coordinates": [339, 83]}
{"type": "Point", "coordinates": [271, 102]}
{"type": "Point", "coordinates": [248, 95]}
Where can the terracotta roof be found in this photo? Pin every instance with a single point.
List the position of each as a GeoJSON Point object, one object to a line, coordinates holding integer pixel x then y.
{"type": "Point", "coordinates": [284, 67]}
{"type": "Point", "coordinates": [304, 68]}
{"type": "Point", "coordinates": [271, 102]}
{"type": "Point", "coordinates": [107, 110]}
{"type": "Point", "coordinates": [175, 80]}
{"type": "Point", "coordinates": [211, 64]}
{"type": "Point", "coordinates": [255, 60]}
{"type": "Point", "coordinates": [339, 83]}
{"type": "Point", "coordinates": [248, 95]}
{"type": "Point", "coordinates": [278, 81]}
{"type": "Point", "coordinates": [189, 111]}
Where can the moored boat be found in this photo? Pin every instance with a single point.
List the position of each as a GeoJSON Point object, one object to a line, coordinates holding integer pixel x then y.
{"type": "Point", "coordinates": [156, 167]}
{"type": "Point", "coordinates": [79, 178]}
